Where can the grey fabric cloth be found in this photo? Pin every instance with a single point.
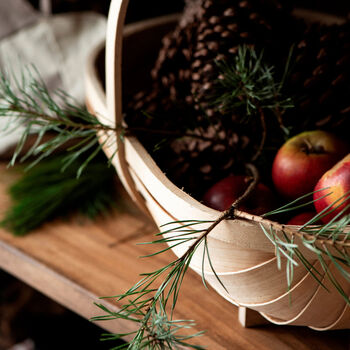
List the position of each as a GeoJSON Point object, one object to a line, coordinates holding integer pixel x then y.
{"type": "Point", "coordinates": [14, 15]}
{"type": "Point", "coordinates": [58, 46]}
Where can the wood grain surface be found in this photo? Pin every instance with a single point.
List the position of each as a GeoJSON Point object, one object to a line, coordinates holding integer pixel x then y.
{"type": "Point", "coordinates": [75, 262]}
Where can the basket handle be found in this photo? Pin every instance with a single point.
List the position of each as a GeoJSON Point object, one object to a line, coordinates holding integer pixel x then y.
{"type": "Point", "coordinates": [114, 41]}
{"type": "Point", "coordinates": [45, 7]}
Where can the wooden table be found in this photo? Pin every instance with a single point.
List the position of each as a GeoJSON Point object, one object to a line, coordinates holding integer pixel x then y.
{"type": "Point", "coordinates": [75, 263]}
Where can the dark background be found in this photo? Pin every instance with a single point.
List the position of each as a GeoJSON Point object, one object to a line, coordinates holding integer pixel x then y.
{"type": "Point", "coordinates": [139, 9]}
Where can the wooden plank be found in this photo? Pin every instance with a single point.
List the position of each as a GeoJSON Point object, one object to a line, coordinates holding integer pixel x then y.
{"type": "Point", "coordinates": [75, 263]}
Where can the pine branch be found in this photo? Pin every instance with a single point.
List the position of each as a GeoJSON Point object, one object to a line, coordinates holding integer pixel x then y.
{"type": "Point", "coordinates": [263, 137]}
{"type": "Point", "coordinates": [46, 192]}
{"type": "Point", "coordinates": [28, 104]}
{"type": "Point", "coordinates": [330, 241]}
{"type": "Point", "coordinates": [144, 300]}
{"type": "Point", "coordinates": [248, 87]}
{"type": "Point", "coordinates": [249, 83]}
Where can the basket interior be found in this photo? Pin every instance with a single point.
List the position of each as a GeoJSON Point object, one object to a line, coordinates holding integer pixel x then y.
{"type": "Point", "coordinates": [136, 68]}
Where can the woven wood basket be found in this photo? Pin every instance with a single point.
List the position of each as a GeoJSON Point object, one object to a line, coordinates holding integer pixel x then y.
{"type": "Point", "coordinates": [242, 256]}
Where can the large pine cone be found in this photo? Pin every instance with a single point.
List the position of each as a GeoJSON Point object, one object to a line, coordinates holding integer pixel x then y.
{"type": "Point", "coordinates": [183, 75]}
{"type": "Point", "coordinates": [172, 70]}
{"type": "Point", "coordinates": [224, 26]}
{"type": "Point", "coordinates": [320, 80]}
{"type": "Point", "coordinates": [208, 31]}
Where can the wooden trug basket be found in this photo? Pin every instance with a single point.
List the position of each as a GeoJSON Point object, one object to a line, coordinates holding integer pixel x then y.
{"type": "Point", "coordinates": [242, 256]}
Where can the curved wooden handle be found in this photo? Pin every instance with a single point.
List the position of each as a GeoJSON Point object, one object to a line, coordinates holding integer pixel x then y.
{"type": "Point", "coordinates": [114, 40]}
{"type": "Point", "coordinates": [45, 7]}
{"type": "Point", "coordinates": [114, 43]}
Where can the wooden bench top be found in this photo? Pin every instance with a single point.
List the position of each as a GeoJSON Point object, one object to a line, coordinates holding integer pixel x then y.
{"type": "Point", "coordinates": [76, 261]}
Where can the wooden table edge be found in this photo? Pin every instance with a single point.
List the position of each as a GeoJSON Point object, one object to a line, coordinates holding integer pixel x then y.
{"type": "Point", "coordinates": [59, 288]}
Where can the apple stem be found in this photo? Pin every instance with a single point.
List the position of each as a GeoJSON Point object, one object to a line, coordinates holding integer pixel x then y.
{"type": "Point", "coordinates": [309, 148]}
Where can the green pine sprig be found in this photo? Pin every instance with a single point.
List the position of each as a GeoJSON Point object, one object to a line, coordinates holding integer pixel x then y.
{"type": "Point", "coordinates": [27, 103]}
{"type": "Point", "coordinates": [249, 87]}
{"type": "Point", "coordinates": [151, 308]}
{"type": "Point", "coordinates": [250, 83]}
{"type": "Point", "coordinates": [329, 241]}
{"type": "Point", "coordinates": [46, 192]}
{"type": "Point", "coordinates": [144, 300]}
{"type": "Point", "coordinates": [156, 330]}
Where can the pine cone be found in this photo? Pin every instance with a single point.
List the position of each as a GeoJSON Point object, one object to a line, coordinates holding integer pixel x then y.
{"type": "Point", "coordinates": [224, 26]}
{"type": "Point", "coordinates": [194, 163]}
{"type": "Point", "coordinates": [183, 75]}
{"type": "Point", "coordinates": [320, 79]}
{"type": "Point", "coordinates": [208, 31]}
{"type": "Point", "coordinates": [171, 72]}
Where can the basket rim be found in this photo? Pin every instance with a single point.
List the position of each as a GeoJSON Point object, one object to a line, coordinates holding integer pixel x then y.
{"type": "Point", "coordinates": [94, 84]}
{"type": "Point", "coordinates": [134, 147]}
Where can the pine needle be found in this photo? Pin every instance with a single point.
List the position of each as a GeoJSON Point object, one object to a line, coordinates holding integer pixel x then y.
{"type": "Point", "coordinates": [45, 192]}
{"type": "Point", "coordinates": [27, 103]}
{"type": "Point", "coordinates": [250, 83]}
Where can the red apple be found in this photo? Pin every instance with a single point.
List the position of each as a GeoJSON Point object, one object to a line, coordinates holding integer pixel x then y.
{"type": "Point", "coordinates": [302, 218]}
{"type": "Point", "coordinates": [336, 183]}
{"type": "Point", "coordinates": [303, 159]}
{"type": "Point", "coordinates": [222, 194]}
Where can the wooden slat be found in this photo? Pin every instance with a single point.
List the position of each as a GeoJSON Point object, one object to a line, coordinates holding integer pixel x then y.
{"type": "Point", "coordinates": [75, 263]}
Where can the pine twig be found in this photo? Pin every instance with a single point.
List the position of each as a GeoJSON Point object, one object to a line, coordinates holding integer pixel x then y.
{"type": "Point", "coordinates": [46, 192]}
{"type": "Point", "coordinates": [292, 232]}
{"type": "Point", "coordinates": [146, 309]}
{"type": "Point", "coordinates": [248, 87]}
{"type": "Point", "coordinates": [230, 212]}
{"type": "Point", "coordinates": [30, 105]}
{"type": "Point", "coordinates": [263, 137]}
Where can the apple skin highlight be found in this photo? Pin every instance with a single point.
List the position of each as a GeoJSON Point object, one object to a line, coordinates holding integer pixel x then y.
{"type": "Point", "coordinates": [336, 183]}
{"type": "Point", "coordinates": [303, 159]}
